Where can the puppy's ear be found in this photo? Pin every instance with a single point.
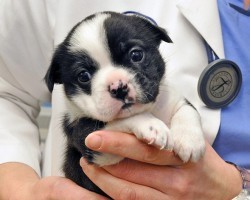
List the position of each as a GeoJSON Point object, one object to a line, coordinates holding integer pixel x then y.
{"type": "Point", "coordinates": [53, 74]}
{"type": "Point", "coordinates": [160, 32]}
{"type": "Point", "coordinates": [163, 34]}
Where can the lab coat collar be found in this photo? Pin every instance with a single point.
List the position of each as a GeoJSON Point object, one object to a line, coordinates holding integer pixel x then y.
{"type": "Point", "coordinates": [204, 16]}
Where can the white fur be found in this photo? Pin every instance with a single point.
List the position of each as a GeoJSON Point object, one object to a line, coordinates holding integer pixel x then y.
{"type": "Point", "coordinates": [149, 122]}
{"type": "Point", "coordinates": [187, 134]}
{"type": "Point", "coordinates": [90, 36]}
{"type": "Point", "coordinates": [106, 159]}
{"type": "Point", "coordinates": [146, 127]}
{"type": "Point", "coordinates": [100, 105]}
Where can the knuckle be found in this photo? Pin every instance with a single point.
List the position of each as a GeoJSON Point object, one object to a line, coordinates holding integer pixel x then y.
{"type": "Point", "coordinates": [126, 169]}
{"type": "Point", "coordinates": [127, 193]}
{"type": "Point", "coordinates": [56, 187]}
{"type": "Point", "coordinates": [183, 189]}
{"type": "Point", "coordinates": [182, 186]}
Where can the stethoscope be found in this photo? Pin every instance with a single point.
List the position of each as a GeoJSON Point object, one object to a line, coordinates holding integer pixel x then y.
{"type": "Point", "coordinates": [220, 82]}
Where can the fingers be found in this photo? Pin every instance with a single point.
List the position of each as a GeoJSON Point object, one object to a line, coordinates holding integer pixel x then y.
{"type": "Point", "coordinates": [74, 192]}
{"type": "Point", "coordinates": [129, 146]}
{"type": "Point", "coordinates": [117, 188]}
{"type": "Point", "coordinates": [161, 178]}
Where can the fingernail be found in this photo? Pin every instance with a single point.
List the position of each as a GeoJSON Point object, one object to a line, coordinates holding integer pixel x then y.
{"type": "Point", "coordinates": [93, 141]}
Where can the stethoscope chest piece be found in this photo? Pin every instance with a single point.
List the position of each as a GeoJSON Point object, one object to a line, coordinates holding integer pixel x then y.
{"type": "Point", "coordinates": [219, 83]}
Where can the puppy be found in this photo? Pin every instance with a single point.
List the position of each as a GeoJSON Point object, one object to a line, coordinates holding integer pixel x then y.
{"type": "Point", "coordinates": [114, 77]}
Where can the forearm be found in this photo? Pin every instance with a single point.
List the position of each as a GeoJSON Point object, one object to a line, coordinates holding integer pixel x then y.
{"type": "Point", "coordinates": [245, 182]}
{"type": "Point", "coordinates": [20, 182]}
{"type": "Point", "coordinates": [15, 178]}
{"type": "Point", "coordinates": [18, 130]}
{"type": "Point", "coordinates": [232, 181]}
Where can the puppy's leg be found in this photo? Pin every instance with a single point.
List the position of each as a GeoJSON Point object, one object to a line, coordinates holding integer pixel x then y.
{"type": "Point", "coordinates": [76, 131]}
{"type": "Point", "coordinates": [189, 142]}
{"type": "Point", "coordinates": [73, 171]}
{"type": "Point", "coordinates": [146, 127]}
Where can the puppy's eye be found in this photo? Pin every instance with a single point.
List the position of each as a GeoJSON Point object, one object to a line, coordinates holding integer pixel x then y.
{"type": "Point", "coordinates": [136, 55]}
{"type": "Point", "coordinates": [84, 77]}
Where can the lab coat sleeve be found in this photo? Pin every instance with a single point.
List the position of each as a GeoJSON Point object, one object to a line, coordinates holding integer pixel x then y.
{"type": "Point", "coordinates": [19, 136]}
{"type": "Point", "coordinates": [25, 49]}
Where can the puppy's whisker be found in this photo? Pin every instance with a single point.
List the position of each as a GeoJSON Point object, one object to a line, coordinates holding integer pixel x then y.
{"type": "Point", "coordinates": [133, 77]}
{"type": "Point", "coordinates": [129, 110]}
{"type": "Point", "coordinates": [149, 94]}
{"type": "Point", "coordinates": [96, 126]}
{"type": "Point", "coordinates": [153, 84]}
{"type": "Point", "coordinates": [135, 74]}
{"type": "Point", "coordinates": [164, 91]}
{"type": "Point", "coordinates": [145, 96]}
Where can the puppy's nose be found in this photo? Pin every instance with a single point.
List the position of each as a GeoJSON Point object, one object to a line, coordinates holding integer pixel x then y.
{"type": "Point", "coordinates": [119, 90]}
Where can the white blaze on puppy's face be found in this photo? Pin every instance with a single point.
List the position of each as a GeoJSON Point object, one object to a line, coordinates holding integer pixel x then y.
{"type": "Point", "coordinates": [90, 36]}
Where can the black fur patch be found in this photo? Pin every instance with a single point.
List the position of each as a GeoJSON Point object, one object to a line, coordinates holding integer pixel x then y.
{"type": "Point", "coordinates": [76, 132]}
{"type": "Point", "coordinates": [60, 70]}
{"type": "Point", "coordinates": [125, 33]}
{"type": "Point", "coordinates": [66, 67]}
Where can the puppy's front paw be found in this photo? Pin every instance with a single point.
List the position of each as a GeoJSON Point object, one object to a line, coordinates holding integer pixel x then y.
{"type": "Point", "coordinates": [154, 132]}
{"type": "Point", "coordinates": [189, 143]}
{"type": "Point", "coordinates": [103, 159]}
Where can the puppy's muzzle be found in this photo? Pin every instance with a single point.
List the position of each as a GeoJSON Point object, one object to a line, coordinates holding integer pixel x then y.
{"type": "Point", "coordinates": [120, 91]}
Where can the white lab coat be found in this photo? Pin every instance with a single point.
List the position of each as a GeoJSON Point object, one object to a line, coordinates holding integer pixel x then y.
{"type": "Point", "coordinates": [30, 30]}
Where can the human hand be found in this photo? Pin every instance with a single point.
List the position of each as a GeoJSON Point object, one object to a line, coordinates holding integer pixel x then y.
{"type": "Point", "coordinates": [159, 174]}
{"type": "Point", "coordinates": [19, 181]}
{"type": "Point", "coordinates": [246, 4]}
{"type": "Point", "coordinates": [54, 188]}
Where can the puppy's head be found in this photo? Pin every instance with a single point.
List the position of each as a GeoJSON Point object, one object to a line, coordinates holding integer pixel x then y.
{"type": "Point", "coordinates": [110, 65]}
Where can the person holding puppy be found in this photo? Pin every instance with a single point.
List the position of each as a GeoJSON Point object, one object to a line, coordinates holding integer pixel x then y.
{"type": "Point", "coordinates": [148, 173]}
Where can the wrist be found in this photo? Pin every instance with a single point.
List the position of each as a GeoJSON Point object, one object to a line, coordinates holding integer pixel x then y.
{"type": "Point", "coordinates": [16, 179]}
{"type": "Point", "coordinates": [245, 180]}
{"type": "Point", "coordinates": [233, 181]}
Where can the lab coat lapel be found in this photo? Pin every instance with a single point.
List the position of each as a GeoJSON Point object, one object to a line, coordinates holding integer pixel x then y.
{"type": "Point", "coordinates": [204, 16]}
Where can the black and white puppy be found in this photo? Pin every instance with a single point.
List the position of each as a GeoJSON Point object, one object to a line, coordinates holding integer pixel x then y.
{"type": "Point", "coordinates": [114, 77]}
